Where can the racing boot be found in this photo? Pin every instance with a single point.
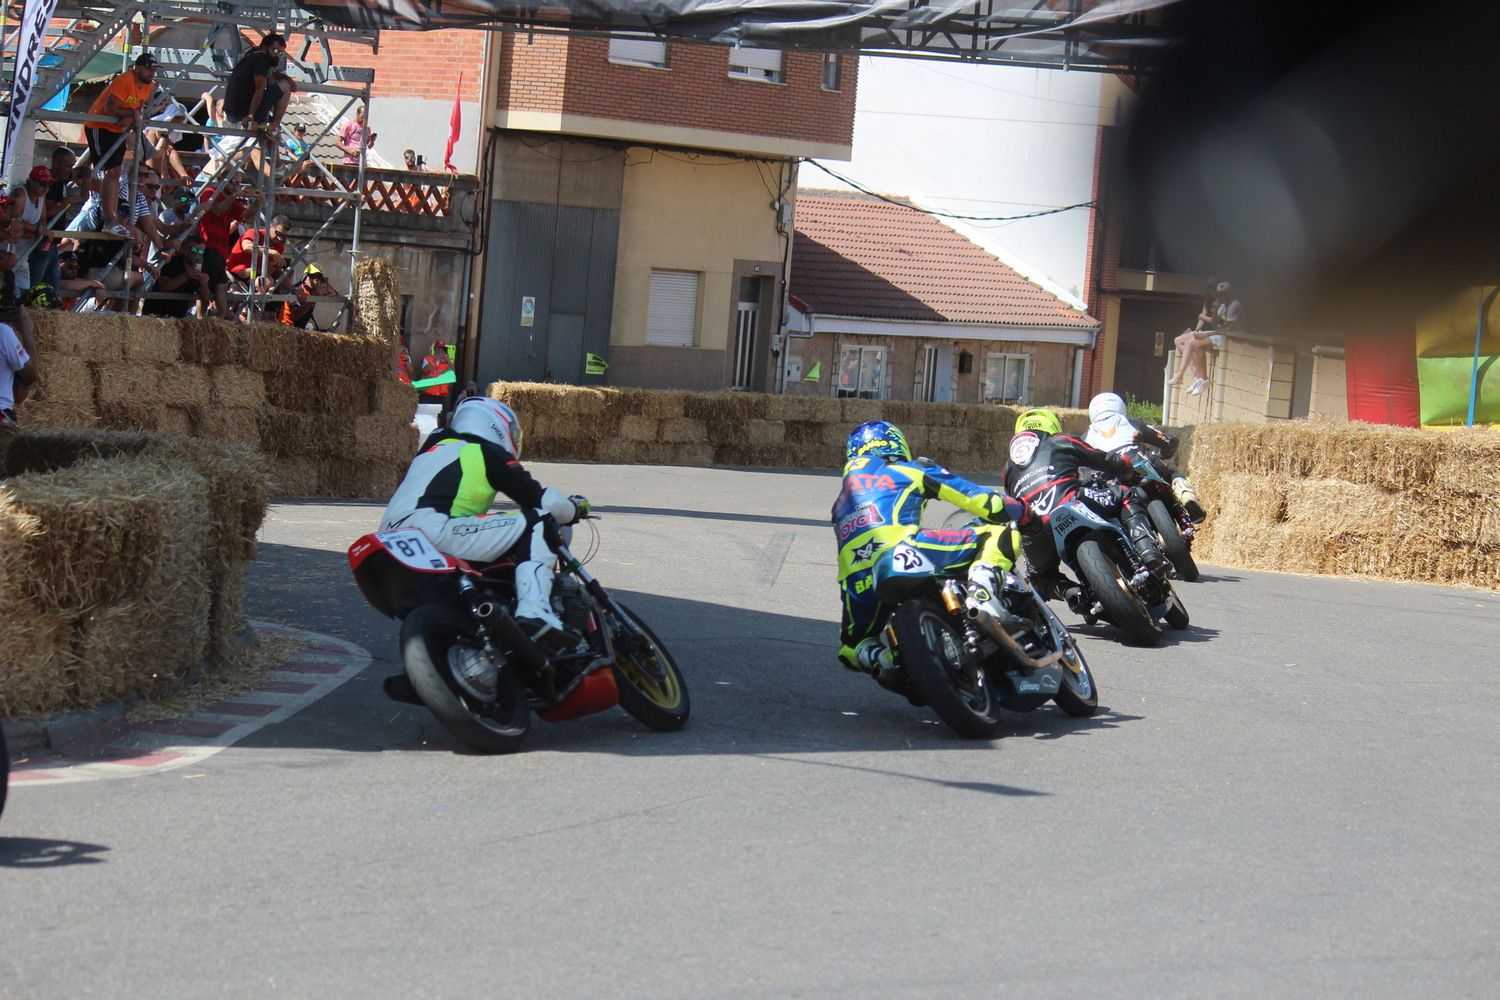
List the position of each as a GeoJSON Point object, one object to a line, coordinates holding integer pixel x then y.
{"type": "Point", "coordinates": [987, 586]}
{"type": "Point", "coordinates": [876, 659]}
{"type": "Point", "coordinates": [534, 610]}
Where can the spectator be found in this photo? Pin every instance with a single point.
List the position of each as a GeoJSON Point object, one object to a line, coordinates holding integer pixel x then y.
{"type": "Point", "coordinates": [122, 100]}
{"type": "Point", "coordinates": [1192, 345]}
{"type": "Point", "coordinates": [403, 366]}
{"type": "Point", "coordinates": [299, 312]}
{"type": "Point", "coordinates": [183, 274]}
{"type": "Point", "coordinates": [62, 199]}
{"type": "Point", "coordinates": [296, 145]}
{"type": "Point", "coordinates": [18, 372]}
{"type": "Point", "coordinates": [355, 136]}
{"type": "Point", "coordinates": [28, 204]}
{"type": "Point", "coordinates": [174, 218]}
{"type": "Point", "coordinates": [220, 227]}
{"type": "Point", "coordinates": [72, 285]}
{"type": "Point", "coordinates": [241, 262]}
{"type": "Point", "coordinates": [162, 143]}
{"type": "Point", "coordinates": [276, 281]}
{"type": "Point", "coordinates": [258, 90]}
{"type": "Point", "coordinates": [409, 156]}
{"type": "Point", "coordinates": [435, 364]}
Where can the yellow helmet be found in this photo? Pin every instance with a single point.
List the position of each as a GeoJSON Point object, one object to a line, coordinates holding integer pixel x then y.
{"type": "Point", "coordinates": [1038, 420]}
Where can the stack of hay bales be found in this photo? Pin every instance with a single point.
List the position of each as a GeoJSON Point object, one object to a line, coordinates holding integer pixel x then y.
{"type": "Point", "coordinates": [1351, 499]}
{"type": "Point", "coordinates": [654, 427]}
{"type": "Point", "coordinates": [325, 408]}
{"type": "Point", "coordinates": [121, 562]}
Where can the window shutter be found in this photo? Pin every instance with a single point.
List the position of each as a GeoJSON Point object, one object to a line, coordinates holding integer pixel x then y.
{"type": "Point", "coordinates": [643, 51]}
{"type": "Point", "coordinates": [756, 62]}
{"type": "Point", "coordinates": [672, 316]}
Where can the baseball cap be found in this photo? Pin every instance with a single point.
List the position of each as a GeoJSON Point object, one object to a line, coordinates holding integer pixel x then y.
{"type": "Point", "coordinates": [145, 59]}
{"type": "Point", "coordinates": [41, 173]}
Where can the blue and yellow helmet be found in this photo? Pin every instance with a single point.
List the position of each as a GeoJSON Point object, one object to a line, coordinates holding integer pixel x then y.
{"type": "Point", "coordinates": [877, 438]}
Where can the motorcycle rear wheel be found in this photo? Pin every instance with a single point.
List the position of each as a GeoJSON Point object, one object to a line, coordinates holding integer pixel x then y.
{"type": "Point", "coordinates": [660, 703]}
{"type": "Point", "coordinates": [1173, 544]}
{"type": "Point", "coordinates": [1122, 608]}
{"type": "Point", "coordinates": [931, 649]}
{"type": "Point", "coordinates": [429, 637]}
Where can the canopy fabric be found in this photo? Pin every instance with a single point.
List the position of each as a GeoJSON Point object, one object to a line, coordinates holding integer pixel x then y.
{"type": "Point", "coordinates": [1113, 35]}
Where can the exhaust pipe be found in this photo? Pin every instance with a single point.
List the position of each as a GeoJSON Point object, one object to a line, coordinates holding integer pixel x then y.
{"type": "Point", "coordinates": [992, 629]}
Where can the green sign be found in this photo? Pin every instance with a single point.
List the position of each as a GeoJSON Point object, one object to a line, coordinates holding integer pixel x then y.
{"type": "Point", "coordinates": [447, 378]}
{"type": "Point", "coordinates": [594, 364]}
{"type": "Point", "coordinates": [814, 373]}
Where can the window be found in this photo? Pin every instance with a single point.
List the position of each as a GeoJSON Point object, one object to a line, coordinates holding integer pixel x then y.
{"type": "Point", "coordinates": [672, 315]}
{"type": "Point", "coordinates": [861, 373]}
{"type": "Point", "coordinates": [638, 50]}
{"type": "Point", "coordinates": [1005, 377]}
{"type": "Point", "coordinates": [928, 388]}
{"type": "Point", "coordinates": [830, 71]}
{"type": "Point", "coordinates": [756, 64]}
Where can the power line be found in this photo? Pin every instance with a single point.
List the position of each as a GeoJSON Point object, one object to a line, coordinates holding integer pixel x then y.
{"type": "Point", "coordinates": [946, 215]}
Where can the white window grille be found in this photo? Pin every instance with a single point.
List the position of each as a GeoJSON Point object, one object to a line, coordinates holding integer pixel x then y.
{"type": "Point", "coordinates": [755, 64]}
{"type": "Point", "coordinates": [638, 50]}
{"type": "Point", "coordinates": [1005, 377]}
{"type": "Point", "coordinates": [747, 318]}
{"type": "Point", "coordinates": [928, 390]}
{"type": "Point", "coordinates": [672, 315]}
{"type": "Point", "coordinates": [861, 373]}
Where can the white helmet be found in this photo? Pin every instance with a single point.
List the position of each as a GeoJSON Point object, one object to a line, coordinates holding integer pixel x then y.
{"type": "Point", "coordinates": [489, 419]}
{"type": "Point", "coordinates": [1104, 406]}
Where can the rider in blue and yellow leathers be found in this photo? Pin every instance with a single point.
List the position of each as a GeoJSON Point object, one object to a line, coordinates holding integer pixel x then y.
{"type": "Point", "coordinates": [877, 518]}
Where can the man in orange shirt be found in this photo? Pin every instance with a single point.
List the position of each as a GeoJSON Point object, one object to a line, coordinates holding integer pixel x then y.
{"type": "Point", "coordinates": [122, 100]}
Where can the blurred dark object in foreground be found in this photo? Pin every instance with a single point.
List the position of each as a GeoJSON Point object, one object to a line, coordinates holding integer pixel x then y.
{"type": "Point", "coordinates": [1340, 161]}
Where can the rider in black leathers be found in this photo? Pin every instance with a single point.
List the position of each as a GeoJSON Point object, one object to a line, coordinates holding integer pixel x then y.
{"type": "Point", "coordinates": [1043, 472]}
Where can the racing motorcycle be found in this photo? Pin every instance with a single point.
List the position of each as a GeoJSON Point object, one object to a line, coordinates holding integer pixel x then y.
{"type": "Point", "coordinates": [1122, 581]}
{"type": "Point", "coordinates": [969, 650]}
{"type": "Point", "coordinates": [452, 611]}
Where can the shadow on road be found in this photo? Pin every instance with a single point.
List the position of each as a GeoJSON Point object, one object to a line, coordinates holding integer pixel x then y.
{"type": "Point", "coordinates": [33, 852]}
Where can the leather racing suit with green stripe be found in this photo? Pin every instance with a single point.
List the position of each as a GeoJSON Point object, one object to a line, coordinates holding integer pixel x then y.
{"type": "Point", "coordinates": [877, 519]}
{"type": "Point", "coordinates": [446, 494]}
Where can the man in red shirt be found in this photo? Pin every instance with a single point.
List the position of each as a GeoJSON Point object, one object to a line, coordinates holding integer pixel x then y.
{"type": "Point", "coordinates": [242, 260]}
{"type": "Point", "coordinates": [220, 228]}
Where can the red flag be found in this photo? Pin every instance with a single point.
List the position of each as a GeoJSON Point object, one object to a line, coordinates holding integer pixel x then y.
{"type": "Point", "coordinates": [455, 123]}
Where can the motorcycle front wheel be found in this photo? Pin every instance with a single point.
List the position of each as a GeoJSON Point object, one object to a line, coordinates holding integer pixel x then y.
{"type": "Point", "coordinates": [1122, 608]}
{"type": "Point", "coordinates": [432, 638]}
{"type": "Point", "coordinates": [651, 687]}
{"type": "Point", "coordinates": [1077, 694]}
{"type": "Point", "coordinates": [932, 650]}
{"type": "Point", "coordinates": [1172, 543]}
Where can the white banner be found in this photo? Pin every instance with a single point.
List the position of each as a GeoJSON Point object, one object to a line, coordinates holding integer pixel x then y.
{"type": "Point", "coordinates": [28, 59]}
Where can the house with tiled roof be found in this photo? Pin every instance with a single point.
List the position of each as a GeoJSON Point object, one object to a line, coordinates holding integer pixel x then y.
{"type": "Point", "coordinates": [887, 302]}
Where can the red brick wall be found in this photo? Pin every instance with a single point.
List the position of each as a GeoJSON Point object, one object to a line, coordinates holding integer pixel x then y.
{"type": "Point", "coordinates": [558, 73]}
{"type": "Point", "coordinates": [420, 64]}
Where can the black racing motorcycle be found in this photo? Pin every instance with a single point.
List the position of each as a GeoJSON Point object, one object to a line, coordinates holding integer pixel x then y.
{"type": "Point", "coordinates": [452, 611]}
{"type": "Point", "coordinates": [970, 650]}
{"type": "Point", "coordinates": [1176, 539]}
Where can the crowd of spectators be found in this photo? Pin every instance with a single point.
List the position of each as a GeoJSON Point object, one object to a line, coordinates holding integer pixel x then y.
{"type": "Point", "coordinates": [140, 227]}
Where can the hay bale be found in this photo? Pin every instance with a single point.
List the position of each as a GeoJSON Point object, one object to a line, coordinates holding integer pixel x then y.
{"type": "Point", "coordinates": [661, 405]}
{"type": "Point", "coordinates": [618, 451]}
{"type": "Point", "coordinates": [344, 396]}
{"type": "Point", "coordinates": [182, 385]}
{"type": "Point", "coordinates": [94, 336]}
{"type": "Point", "coordinates": [131, 416]}
{"type": "Point", "coordinates": [640, 428]}
{"type": "Point", "coordinates": [228, 424]}
{"type": "Point", "coordinates": [682, 430]}
{"type": "Point", "coordinates": [375, 293]}
{"type": "Point", "coordinates": [64, 379]}
{"type": "Point", "coordinates": [858, 411]}
{"type": "Point", "coordinates": [696, 454]}
{"type": "Point", "coordinates": [284, 433]}
{"type": "Point", "coordinates": [391, 396]}
{"type": "Point", "coordinates": [1469, 462]}
{"type": "Point", "coordinates": [725, 405]}
{"type": "Point", "coordinates": [128, 383]}
{"type": "Point", "coordinates": [295, 476]}
{"type": "Point", "coordinates": [208, 341]}
{"type": "Point", "coordinates": [149, 339]}
{"type": "Point", "coordinates": [298, 392]}
{"type": "Point", "coordinates": [264, 347]}
{"type": "Point", "coordinates": [177, 420]}
{"type": "Point", "coordinates": [233, 387]}
{"type": "Point", "coordinates": [764, 432]}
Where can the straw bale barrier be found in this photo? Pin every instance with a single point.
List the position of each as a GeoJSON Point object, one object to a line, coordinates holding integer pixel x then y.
{"type": "Point", "coordinates": [1352, 500]}
{"type": "Point", "coordinates": [589, 424]}
{"type": "Point", "coordinates": [122, 562]}
{"type": "Point", "coordinates": [325, 408]}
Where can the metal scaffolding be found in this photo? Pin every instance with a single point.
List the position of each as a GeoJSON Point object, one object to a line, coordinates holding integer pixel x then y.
{"type": "Point", "coordinates": [196, 44]}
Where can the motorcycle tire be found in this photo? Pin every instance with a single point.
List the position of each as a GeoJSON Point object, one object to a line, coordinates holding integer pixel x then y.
{"type": "Point", "coordinates": [1177, 613]}
{"type": "Point", "coordinates": [429, 636]}
{"type": "Point", "coordinates": [931, 649]}
{"type": "Point", "coordinates": [1122, 608]}
{"type": "Point", "coordinates": [660, 703]}
{"type": "Point", "coordinates": [1077, 695]}
{"type": "Point", "coordinates": [1177, 548]}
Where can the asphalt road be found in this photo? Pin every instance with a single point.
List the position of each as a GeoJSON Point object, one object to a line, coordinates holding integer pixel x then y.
{"type": "Point", "coordinates": [1294, 798]}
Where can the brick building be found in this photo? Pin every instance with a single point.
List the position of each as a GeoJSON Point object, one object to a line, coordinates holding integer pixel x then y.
{"type": "Point", "coordinates": [639, 193]}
